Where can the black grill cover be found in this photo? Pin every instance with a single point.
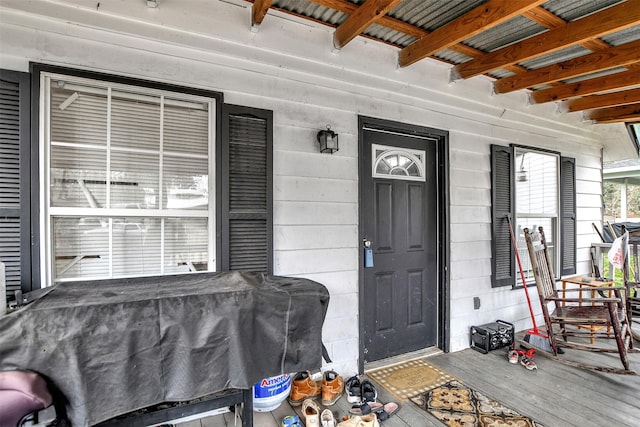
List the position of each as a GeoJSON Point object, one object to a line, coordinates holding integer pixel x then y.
{"type": "Point", "coordinates": [114, 346]}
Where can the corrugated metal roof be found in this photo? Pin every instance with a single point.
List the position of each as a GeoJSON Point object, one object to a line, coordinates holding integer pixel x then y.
{"type": "Point", "coordinates": [431, 15]}
{"type": "Point", "coordinates": [425, 16]}
{"type": "Point", "coordinates": [570, 10]}
{"type": "Point", "coordinates": [504, 34]}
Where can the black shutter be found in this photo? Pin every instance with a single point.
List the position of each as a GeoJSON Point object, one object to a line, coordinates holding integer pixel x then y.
{"type": "Point", "coordinates": [246, 197]}
{"type": "Point", "coordinates": [503, 259]}
{"type": "Point", "coordinates": [568, 215]}
{"type": "Point", "coordinates": [15, 219]}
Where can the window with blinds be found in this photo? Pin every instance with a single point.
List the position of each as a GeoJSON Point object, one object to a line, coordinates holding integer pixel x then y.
{"type": "Point", "coordinates": [128, 188]}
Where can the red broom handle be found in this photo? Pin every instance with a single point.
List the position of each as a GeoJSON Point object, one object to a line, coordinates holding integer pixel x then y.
{"type": "Point", "coordinates": [524, 282]}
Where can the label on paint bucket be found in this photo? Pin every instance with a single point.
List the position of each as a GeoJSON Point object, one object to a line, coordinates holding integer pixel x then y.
{"type": "Point", "coordinates": [269, 393]}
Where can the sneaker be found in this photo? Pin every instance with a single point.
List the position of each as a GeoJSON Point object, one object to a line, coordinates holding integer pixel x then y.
{"type": "Point", "coordinates": [527, 360]}
{"type": "Point", "coordinates": [311, 412]}
{"type": "Point", "coordinates": [513, 356]}
{"type": "Point", "coordinates": [327, 419]}
{"type": "Point", "coordinates": [332, 388]}
{"type": "Point", "coordinates": [352, 388]}
{"type": "Point", "coordinates": [303, 387]}
{"type": "Point", "coordinates": [291, 421]}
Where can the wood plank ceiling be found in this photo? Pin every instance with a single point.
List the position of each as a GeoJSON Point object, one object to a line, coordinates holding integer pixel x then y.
{"type": "Point", "coordinates": [583, 54]}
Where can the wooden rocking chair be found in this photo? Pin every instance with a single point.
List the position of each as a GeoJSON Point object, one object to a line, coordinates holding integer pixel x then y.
{"type": "Point", "coordinates": [581, 318]}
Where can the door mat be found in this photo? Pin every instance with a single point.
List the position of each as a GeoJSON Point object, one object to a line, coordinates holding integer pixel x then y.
{"type": "Point", "coordinates": [411, 378]}
{"type": "Point", "coordinates": [455, 405]}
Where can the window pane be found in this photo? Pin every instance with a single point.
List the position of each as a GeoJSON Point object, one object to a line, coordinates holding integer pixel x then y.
{"type": "Point", "coordinates": [536, 183]}
{"type": "Point", "coordinates": [134, 180]}
{"type": "Point", "coordinates": [549, 225]}
{"type": "Point", "coordinates": [78, 177]}
{"type": "Point", "coordinates": [186, 247]}
{"type": "Point", "coordinates": [186, 130]}
{"type": "Point", "coordinates": [186, 183]}
{"type": "Point", "coordinates": [134, 123]}
{"type": "Point", "coordinates": [81, 247]}
{"type": "Point", "coordinates": [78, 116]}
{"type": "Point", "coordinates": [136, 246]}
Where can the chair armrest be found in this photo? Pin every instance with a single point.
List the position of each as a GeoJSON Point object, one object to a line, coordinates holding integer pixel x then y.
{"type": "Point", "coordinates": [592, 288]}
{"type": "Point", "coordinates": [585, 300]}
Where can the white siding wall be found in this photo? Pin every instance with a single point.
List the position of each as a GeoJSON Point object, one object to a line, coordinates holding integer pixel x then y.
{"type": "Point", "coordinates": [289, 67]}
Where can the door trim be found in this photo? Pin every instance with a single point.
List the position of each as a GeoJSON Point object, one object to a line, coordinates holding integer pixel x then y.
{"type": "Point", "coordinates": [442, 161]}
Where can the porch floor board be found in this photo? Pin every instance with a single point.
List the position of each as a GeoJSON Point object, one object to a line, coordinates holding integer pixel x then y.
{"type": "Point", "coordinates": [554, 394]}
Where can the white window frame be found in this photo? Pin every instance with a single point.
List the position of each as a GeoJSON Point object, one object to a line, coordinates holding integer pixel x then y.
{"type": "Point", "coordinates": [520, 216]}
{"type": "Point", "coordinates": [47, 212]}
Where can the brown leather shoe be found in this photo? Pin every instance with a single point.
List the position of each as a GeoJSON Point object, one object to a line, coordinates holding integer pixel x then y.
{"type": "Point", "coordinates": [332, 388]}
{"type": "Point", "coordinates": [302, 388]}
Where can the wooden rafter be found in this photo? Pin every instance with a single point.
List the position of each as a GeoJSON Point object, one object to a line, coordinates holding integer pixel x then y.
{"type": "Point", "coordinates": [618, 56]}
{"type": "Point", "coordinates": [474, 22]}
{"type": "Point", "coordinates": [363, 17]}
{"type": "Point", "coordinates": [613, 19]}
{"type": "Point", "coordinates": [615, 81]}
{"type": "Point", "coordinates": [258, 11]}
{"type": "Point", "coordinates": [613, 99]}
{"type": "Point", "coordinates": [626, 113]}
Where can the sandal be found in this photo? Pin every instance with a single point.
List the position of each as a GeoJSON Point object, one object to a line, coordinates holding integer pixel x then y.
{"type": "Point", "coordinates": [368, 391]}
{"type": "Point", "coordinates": [311, 412]}
{"type": "Point", "coordinates": [352, 387]}
{"type": "Point", "coordinates": [386, 411]}
{"type": "Point", "coordinates": [365, 408]}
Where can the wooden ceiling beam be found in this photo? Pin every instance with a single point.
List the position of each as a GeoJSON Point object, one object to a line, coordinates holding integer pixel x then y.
{"type": "Point", "coordinates": [627, 113]}
{"type": "Point", "coordinates": [617, 81]}
{"type": "Point", "coordinates": [612, 19]}
{"type": "Point", "coordinates": [365, 15]}
{"type": "Point", "coordinates": [618, 56]}
{"type": "Point", "coordinates": [481, 18]}
{"type": "Point", "coordinates": [258, 11]}
{"type": "Point", "coordinates": [614, 99]}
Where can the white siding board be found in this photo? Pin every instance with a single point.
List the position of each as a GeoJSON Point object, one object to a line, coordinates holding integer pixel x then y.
{"type": "Point", "coordinates": [475, 250]}
{"type": "Point", "coordinates": [286, 212]}
{"type": "Point", "coordinates": [467, 196]}
{"type": "Point", "coordinates": [469, 215]}
{"type": "Point", "coordinates": [315, 261]}
{"type": "Point", "coordinates": [315, 189]}
{"type": "Point", "coordinates": [315, 237]}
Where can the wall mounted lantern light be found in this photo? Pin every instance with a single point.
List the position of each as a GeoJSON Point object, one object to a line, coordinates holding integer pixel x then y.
{"type": "Point", "coordinates": [328, 140]}
{"type": "Point", "coordinates": [521, 176]}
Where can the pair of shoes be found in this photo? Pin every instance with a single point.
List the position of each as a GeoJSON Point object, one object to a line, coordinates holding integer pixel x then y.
{"type": "Point", "coordinates": [327, 419]}
{"type": "Point", "coordinates": [369, 420]}
{"type": "Point", "coordinates": [303, 387]}
{"type": "Point", "coordinates": [332, 388]}
{"type": "Point", "coordinates": [311, 412]}
{"type": "Point", "coordinates": [513, 356]}
{"type": "Point", "coordinates": [360, 392]}
{"type": "Point", "coordinates": [291, 421]}
{"type": "Point", "coordinates": [527, 360]}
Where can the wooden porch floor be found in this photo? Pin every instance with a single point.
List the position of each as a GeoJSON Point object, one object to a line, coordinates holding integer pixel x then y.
{"type": "Point", "coordinates": [555, 395]}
